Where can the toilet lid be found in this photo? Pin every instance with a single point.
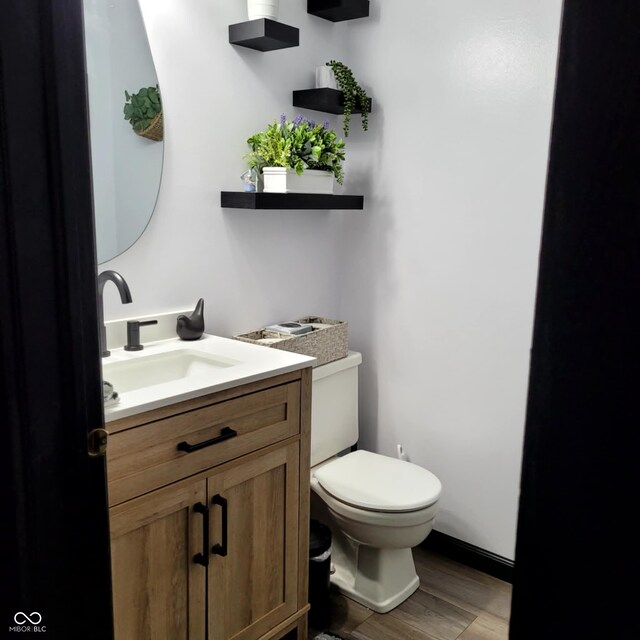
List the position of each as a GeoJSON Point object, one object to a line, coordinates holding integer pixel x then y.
{"type": "Point", "coordinates": [379, 483]}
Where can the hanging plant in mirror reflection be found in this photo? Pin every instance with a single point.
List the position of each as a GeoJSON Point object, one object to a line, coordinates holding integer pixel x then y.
{"type": "Point", "coordinates": [144, 111]}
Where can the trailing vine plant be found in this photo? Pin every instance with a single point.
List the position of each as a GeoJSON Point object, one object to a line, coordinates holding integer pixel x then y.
{"type": "Point", "coordinates": [355, 97]}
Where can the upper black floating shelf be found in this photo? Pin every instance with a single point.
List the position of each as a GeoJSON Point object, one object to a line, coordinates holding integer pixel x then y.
{"type": "Point", "coordinates": [264, 35]}
{"type": "Point", "coordinates": [338, 10]}
{"type": "Point", "coordinates": [244, 200]}
{"type": "Point", "coordinates": [326, 100]}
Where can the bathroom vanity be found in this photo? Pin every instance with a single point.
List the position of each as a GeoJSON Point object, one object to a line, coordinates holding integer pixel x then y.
{"type": "Point", "coordinates": [209, 501]}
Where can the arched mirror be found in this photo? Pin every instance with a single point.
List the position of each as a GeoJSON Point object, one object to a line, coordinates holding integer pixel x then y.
{"type": "Point", "coordinates": [126, 153]}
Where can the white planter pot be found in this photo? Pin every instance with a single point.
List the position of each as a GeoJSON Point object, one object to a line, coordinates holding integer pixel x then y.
{"type": "Point", "coordinates": [325, 78]}
{"type": "Point", "coordinates": [258, 9]}
{"type": "Point", "coordinates": [283, 180]}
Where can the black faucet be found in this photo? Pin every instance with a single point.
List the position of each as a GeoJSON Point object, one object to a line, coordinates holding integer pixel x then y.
{"type": "Point", "coordinates": [133, 334]}
{"type": "Point", "coordinates": [125, 296]}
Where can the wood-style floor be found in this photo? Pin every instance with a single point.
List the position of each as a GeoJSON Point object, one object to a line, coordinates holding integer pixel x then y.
{"type": "Point", "coordinates": [454, 602]}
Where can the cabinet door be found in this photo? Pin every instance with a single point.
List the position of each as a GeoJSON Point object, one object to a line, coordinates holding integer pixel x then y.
{"type": "Point", "coordinates": [158, 584]}
{"type": "Point", "coordinates": [253, 578]}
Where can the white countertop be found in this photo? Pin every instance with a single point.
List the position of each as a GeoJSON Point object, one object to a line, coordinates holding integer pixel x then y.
{"type": "Point", "coordinates": [234, 363]}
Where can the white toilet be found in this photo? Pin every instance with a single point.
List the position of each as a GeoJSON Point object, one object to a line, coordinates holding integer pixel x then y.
{"type": "Point", "coordinates": [377, 507]}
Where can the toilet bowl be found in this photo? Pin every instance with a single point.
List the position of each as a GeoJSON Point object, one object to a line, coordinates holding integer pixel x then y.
{"type": "Point", "coordinates": [377, 507]}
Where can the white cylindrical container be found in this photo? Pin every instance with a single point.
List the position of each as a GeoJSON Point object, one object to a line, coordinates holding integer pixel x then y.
{"type": "Point", "coordinates": [282, 180]}
{"type": "Point", "coordinates": [258, 9]}
{"type": "Point", "coordinates": [325, 78]}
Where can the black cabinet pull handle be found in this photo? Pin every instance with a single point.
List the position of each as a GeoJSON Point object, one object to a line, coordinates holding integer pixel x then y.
{"type": "Point", "coordinates": [203, 558]}
{"type": "Point", "coordinates": [225, 434]}
{"type": "Point", "coordinates": [221, 549]}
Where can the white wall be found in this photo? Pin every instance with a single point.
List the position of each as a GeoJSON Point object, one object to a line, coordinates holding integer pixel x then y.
{"type": "Point", "coordinates": [439, 280]}
{"type": "Point", "coordinates": [436, 277]}
{"type": "Point", "coordinates": [251, 268]}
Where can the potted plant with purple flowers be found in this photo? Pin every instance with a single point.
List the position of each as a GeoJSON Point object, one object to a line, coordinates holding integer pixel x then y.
{"type": "Point", "coordinates": [297, 156]}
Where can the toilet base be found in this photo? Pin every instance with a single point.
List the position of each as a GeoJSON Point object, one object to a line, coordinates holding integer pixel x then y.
{"type": "Point", "coordinates": [380, 579]}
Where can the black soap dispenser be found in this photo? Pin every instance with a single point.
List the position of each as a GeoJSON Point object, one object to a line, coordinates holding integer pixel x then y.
{"type": "Point", "coordinates": [191, 327]}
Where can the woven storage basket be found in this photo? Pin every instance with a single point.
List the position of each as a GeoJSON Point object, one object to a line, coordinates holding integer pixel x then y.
{"type": "Point", "coordinates": [155, 130]}
{"type": "Point", "coordinates": [326, 342]}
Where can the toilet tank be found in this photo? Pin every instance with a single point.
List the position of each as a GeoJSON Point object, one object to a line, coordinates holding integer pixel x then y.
{"type": "Point", "coordinates": [334, 407]}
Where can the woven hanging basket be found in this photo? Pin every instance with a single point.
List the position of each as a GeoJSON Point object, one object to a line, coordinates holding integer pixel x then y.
{"type": "Point", "coordinates": [155, 130]}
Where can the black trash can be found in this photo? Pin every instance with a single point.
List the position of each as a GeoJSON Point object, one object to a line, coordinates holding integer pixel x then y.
{"type": "Point", "coordinates": [319, 575]}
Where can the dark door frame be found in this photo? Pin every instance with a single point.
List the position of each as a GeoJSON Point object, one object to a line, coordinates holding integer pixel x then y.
{"type": "Point", "coordinates": [577, 563]}
{"type": "Point", "coordinates": [56, 546]}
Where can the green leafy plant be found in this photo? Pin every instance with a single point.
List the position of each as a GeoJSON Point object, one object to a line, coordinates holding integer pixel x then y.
{"type": "Point", "coordinates": [297, 144]}
{"type": "Point", "coordinates": [355, 97]}
{"type": "Point", "coordinates": [142, 107]}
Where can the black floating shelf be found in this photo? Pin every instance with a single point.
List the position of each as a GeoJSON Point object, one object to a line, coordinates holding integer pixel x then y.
{"type": "Point", "coordinates": [264, 35]}
{"type": "Point", "coordinates": [326, 100]}
{"type": "Point", "coordinates": [244, 200]}
{"type": "Point", "coordinates": [338, 10]}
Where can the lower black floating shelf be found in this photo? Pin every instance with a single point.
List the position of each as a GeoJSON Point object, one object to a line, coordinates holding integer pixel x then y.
{"type": "Point", "coordinates": [325, 100]}
{"type": "Point", "coordinates": [248, 200]}
{"type": "Point", "coordinates": [338, 10]}
{"type": "Point", "coordinates": [264, 35]}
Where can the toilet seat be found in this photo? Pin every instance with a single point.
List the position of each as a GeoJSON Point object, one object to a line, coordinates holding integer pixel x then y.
{"type": "Point", "coordinates": [374, 482]}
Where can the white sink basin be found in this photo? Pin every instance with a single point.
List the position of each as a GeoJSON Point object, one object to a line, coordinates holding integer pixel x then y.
{"type": "Point", "coordinates": [170, 371]}
{"type": "Point", "coordinates": [149, 370]}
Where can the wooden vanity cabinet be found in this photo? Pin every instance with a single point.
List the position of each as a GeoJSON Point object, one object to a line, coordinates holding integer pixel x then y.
{"type": "Point", "coordinates": [158, 591]}
{"type": "Point", "coordinates": [213, 543]}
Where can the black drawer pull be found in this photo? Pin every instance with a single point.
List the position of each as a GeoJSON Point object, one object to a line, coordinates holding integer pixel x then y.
{"type": "Point", "coordinates": [203, 558]}
{"type": "Point", "coordinates": [225, 434]}
{"type": "Point", "coordinates": [221, 549]}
